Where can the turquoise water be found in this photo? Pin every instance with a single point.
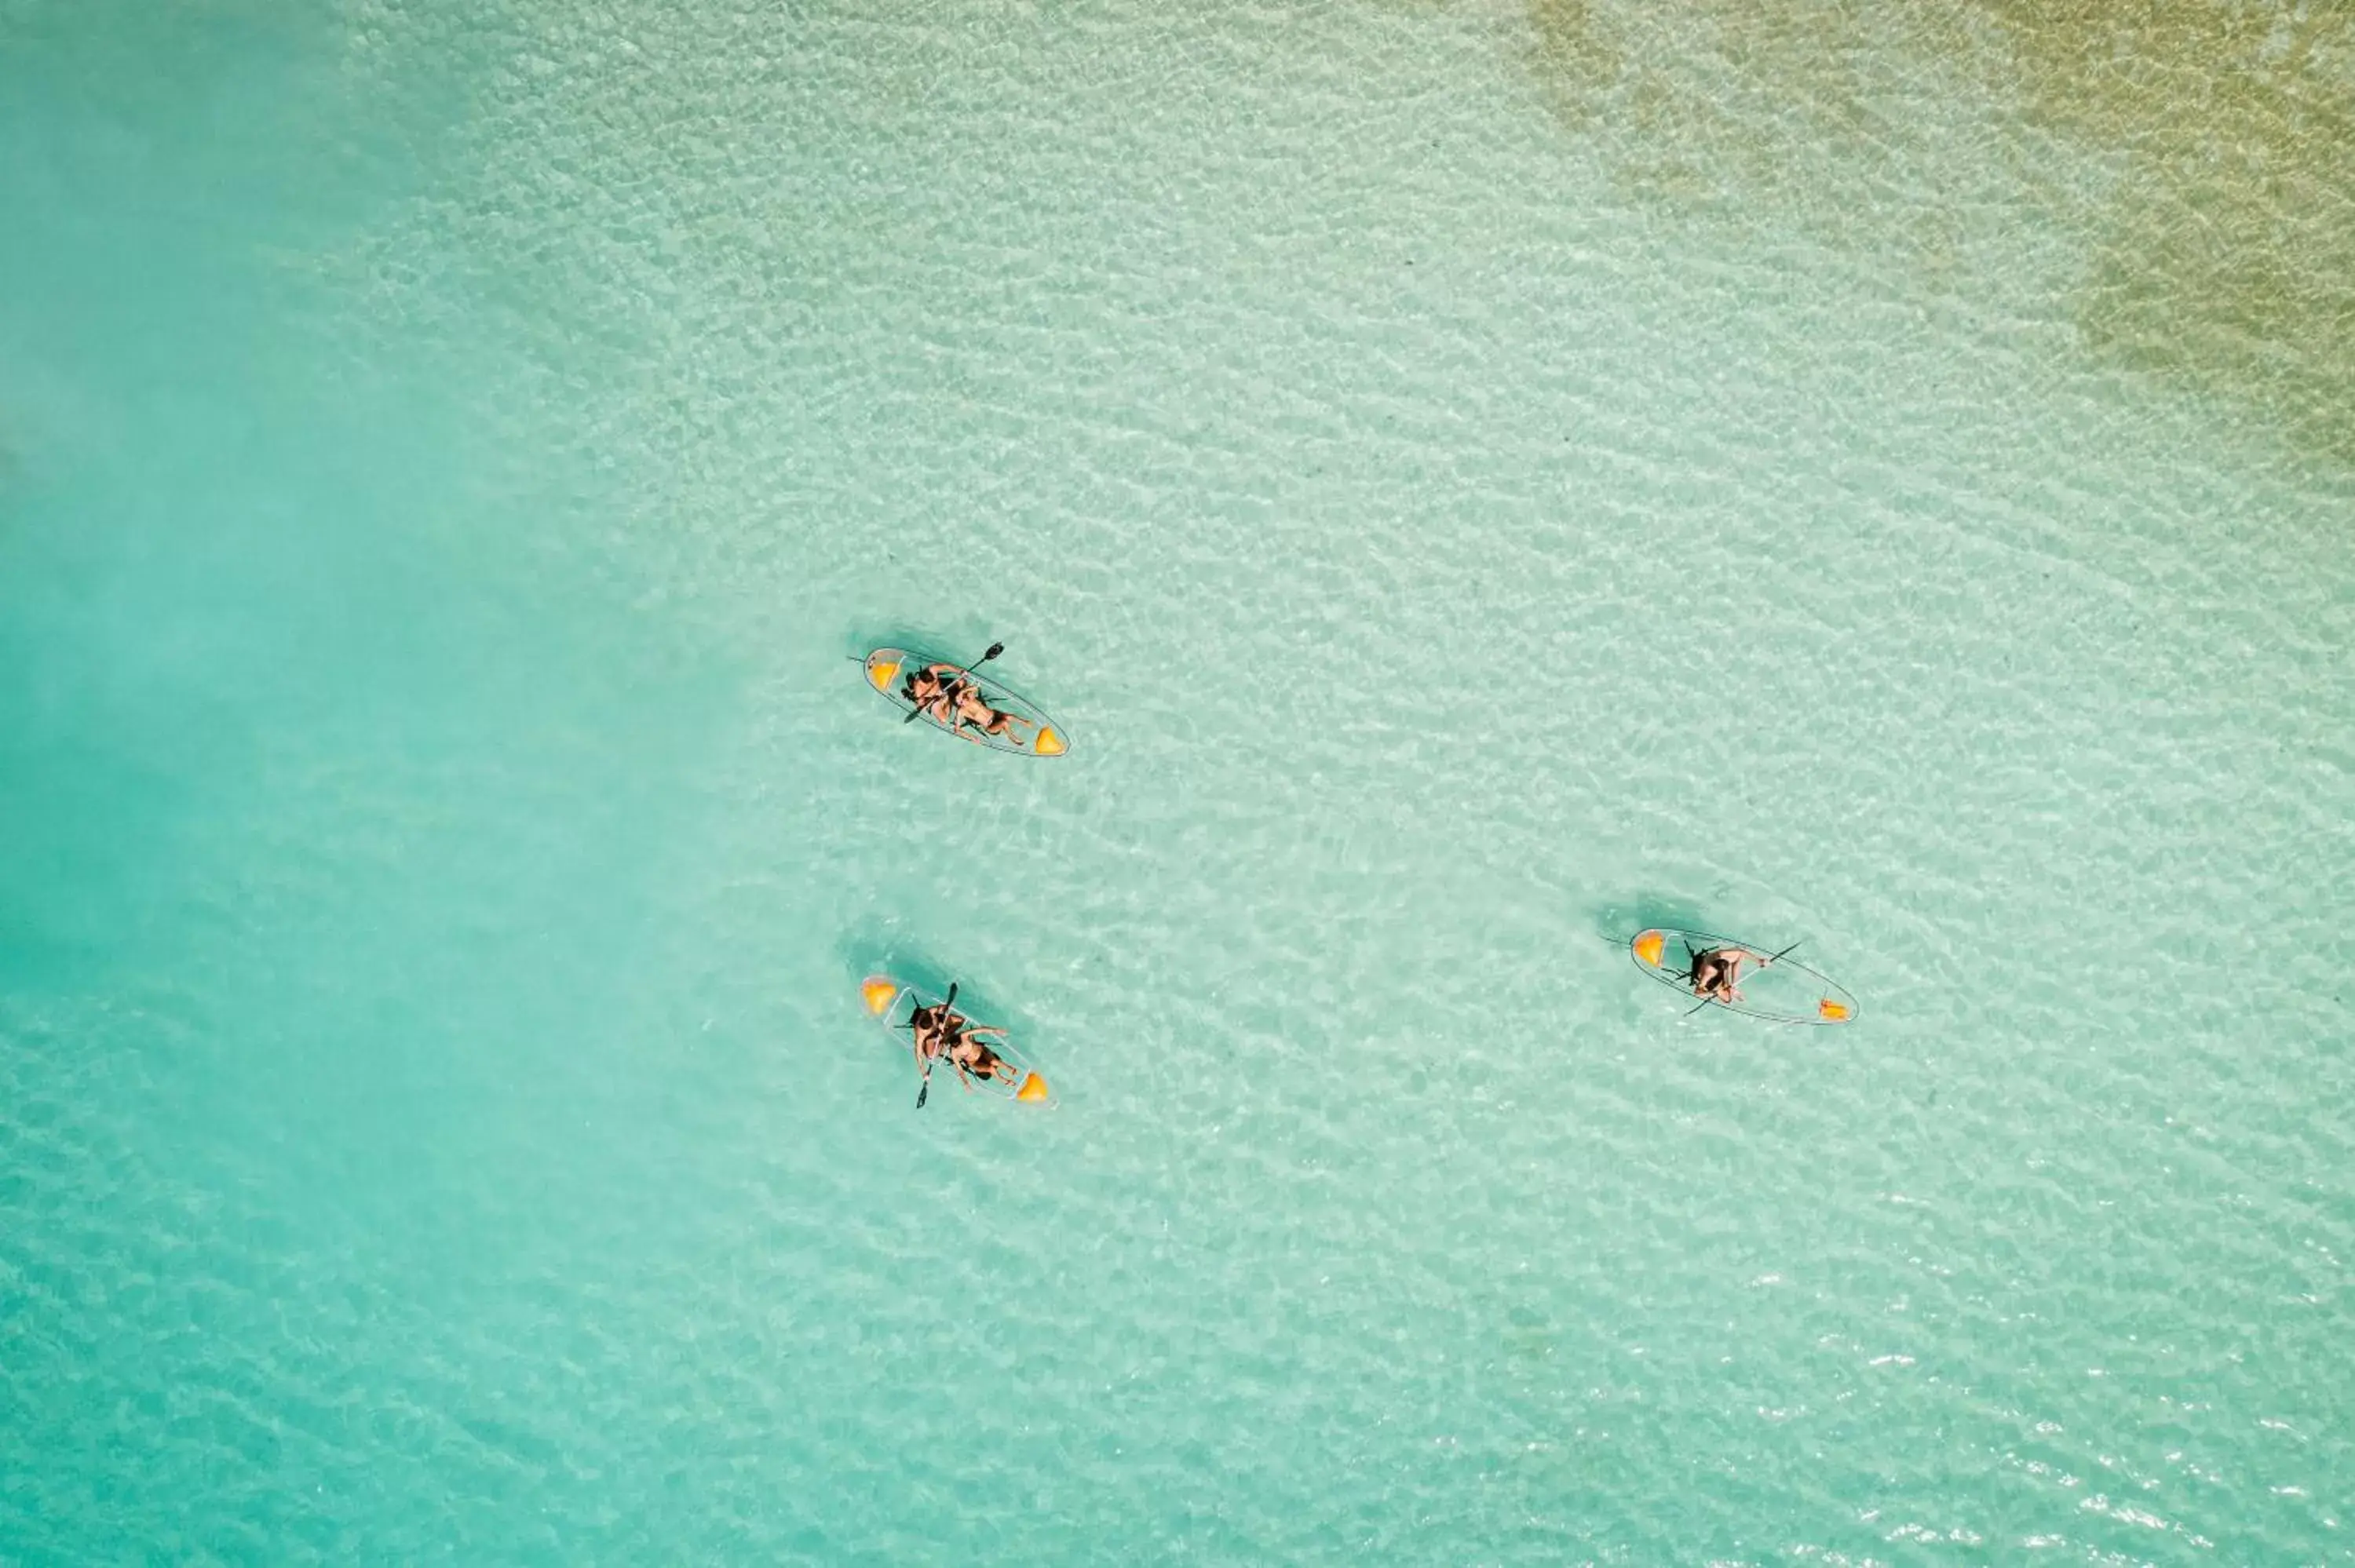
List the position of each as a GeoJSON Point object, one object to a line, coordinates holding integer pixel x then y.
{"type": "Point", "coordinates": [1474, 479]}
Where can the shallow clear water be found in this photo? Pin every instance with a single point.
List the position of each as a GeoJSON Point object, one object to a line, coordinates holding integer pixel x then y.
{"type": "Point", "coordinates": [1474, 479]}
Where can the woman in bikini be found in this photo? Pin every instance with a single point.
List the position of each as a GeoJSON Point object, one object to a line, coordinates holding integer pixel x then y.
{"type": "Point", "coordinates": [974, 709]}
{"type": "Point", "coordinates": [928, 1026]}
{"type": "Point", "coordinates": [971, 1058]}
{"type": "Point", "coordinates": [1713, 973]}
{"type": "Point", "coordinates": [930, 694]}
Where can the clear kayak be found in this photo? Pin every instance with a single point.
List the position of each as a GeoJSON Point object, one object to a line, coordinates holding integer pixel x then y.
{"type": "Point", "coordinates": [1030, 733]}
{"type": "Point", "coordinates": [1782, 990]}
{"type": "Point", "coordinates": [892, 1004]}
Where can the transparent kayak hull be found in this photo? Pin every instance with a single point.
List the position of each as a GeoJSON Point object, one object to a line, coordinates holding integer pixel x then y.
{"type": "Point", "coordinates": [1032, 734]}
{"type": "Point", "coordinates": [892, 1004]}
{"type": "Point", "coordinates": [1784, 991]}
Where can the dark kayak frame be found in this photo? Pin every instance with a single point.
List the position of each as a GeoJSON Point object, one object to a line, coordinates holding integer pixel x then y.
{"type": "Point", "coordinates": [1703, 940]}
{"type": "Point", "coordinates": [993, 689]}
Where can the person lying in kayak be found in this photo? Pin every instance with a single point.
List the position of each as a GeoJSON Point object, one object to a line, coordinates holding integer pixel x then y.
{"type": "Point", "coordinates": [969, 1056]}
{"type": "Point", "coordinates": [936, 691]}
{"type": "Point", "coordinates": [941, 1030]}
{"type": "Point", "coordinates": [973, 708]}
{"type": "Point", "coordinates": [950, 697]}
{"type": "Point", "coordinates": [1714, 972]}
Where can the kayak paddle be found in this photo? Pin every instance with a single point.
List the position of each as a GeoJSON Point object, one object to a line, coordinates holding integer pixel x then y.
{"type": "Point", "coordinates": [925, 1088]}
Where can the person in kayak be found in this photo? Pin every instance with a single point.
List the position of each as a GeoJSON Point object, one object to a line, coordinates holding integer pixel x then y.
{"type": "Point", "coordinates": [971, 1058]}
{"type": "Point", "coordinates": [928, 1024]}
{"type": "Point", "coordinates": [1715, 972]}
{"type": "Point", "coordinates": [973, 708]}
{"type": "Point", "coordinates": [930, 694]}
{"type": "Point", "coordinates": [957, 701]}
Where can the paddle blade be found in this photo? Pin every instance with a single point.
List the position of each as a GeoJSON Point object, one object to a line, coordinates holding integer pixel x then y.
{"type": "Point", "coordinates": [995, 650]}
